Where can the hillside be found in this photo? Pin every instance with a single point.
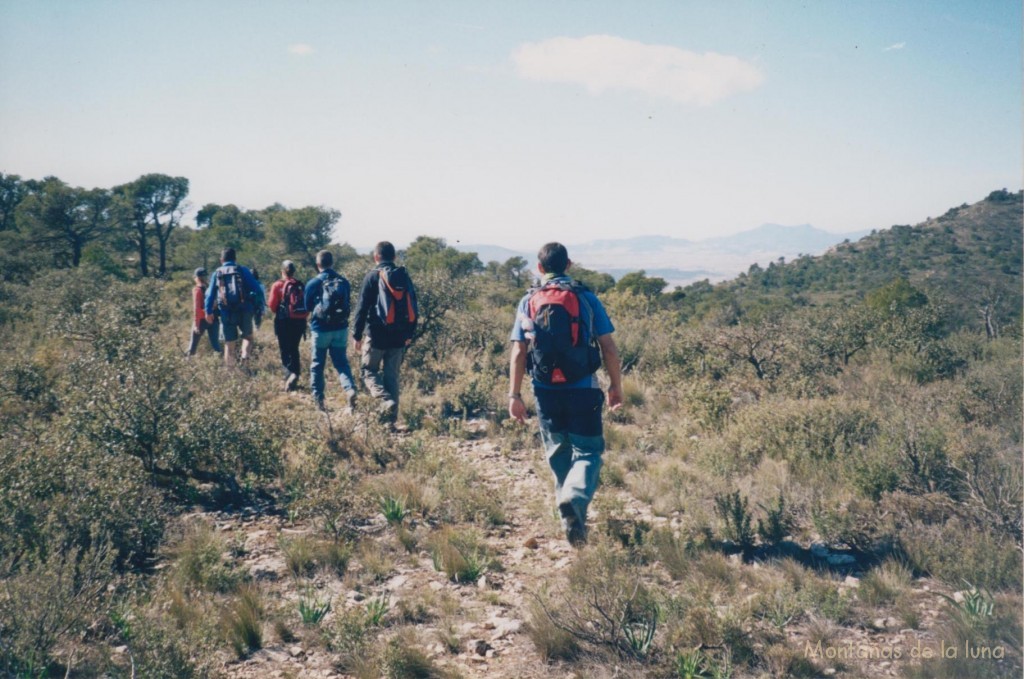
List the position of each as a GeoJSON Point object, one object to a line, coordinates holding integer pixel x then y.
{"type": "Point", "coordinates": [968, 258]}
{"type": "Point", "coordinates": [816, 472]}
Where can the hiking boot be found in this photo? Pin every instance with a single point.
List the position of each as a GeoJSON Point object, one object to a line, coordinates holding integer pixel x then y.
{"type": "Point", "coordinates": [291, 382]}
{"type": "Point", "coordinates": [575, 527]}
{"type": "Point", "coordinates": [350, 397]}
{"type": "Point", "coordinates": [320, 405]}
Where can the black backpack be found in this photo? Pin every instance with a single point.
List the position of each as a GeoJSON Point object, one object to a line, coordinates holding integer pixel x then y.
{"type": "Point", "coordinates": [561, 339]}
{"type": "Point", "coordinates": [232, 292]}
{"type": "Point", "coordinates": [396, 308]}
{"type": "Point", "coordinates": [334, 305]}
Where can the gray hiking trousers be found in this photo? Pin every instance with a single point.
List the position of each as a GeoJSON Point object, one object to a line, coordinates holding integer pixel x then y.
{"type": "Point", "coordinates": [380, 375]}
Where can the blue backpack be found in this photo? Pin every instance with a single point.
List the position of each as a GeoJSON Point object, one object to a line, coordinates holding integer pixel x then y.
{"type": "Point", "coordinates": [232, 292]}
{"type": "Point", "coordinates": [335, 303]}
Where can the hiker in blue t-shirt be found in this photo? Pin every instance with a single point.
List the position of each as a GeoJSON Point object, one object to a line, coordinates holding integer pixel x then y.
{"type": "Point", "coordinates": [235, 293]}
{"type": "Point", "coordinates": [328, 300]}
{"type": "Point", "coordinates": [562, 334]}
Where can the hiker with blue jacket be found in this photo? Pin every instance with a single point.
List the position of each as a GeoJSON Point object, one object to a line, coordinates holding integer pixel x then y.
{"type": "Point", "coordinates": [561, 336]}
{"type": "Point", "coordinates": [236, 294]}
{"type": "Point", "coordinates": [328, 299]}
{"type": "Point", "coordinates": [387, 313]}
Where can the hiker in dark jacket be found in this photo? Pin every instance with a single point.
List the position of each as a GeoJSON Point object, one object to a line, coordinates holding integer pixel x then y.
{"type": "Point", "coordinates": [287, 303]}
{"type": "Point", "coordinates": [235, 294]}
{"type": "Point", "coordinates": [328, 299]}
{"type": "Point", "coordinates": [389, 325]}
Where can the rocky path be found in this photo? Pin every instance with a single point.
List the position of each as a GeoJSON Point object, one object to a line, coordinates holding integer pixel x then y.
{"type": "Point", "coordinates": [485, 635]}
{"type": "Point", "coordinates": [489, 625]}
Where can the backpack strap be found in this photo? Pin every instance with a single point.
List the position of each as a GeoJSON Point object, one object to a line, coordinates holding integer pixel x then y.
{"type": "Point", "coordinates": [579, 289]}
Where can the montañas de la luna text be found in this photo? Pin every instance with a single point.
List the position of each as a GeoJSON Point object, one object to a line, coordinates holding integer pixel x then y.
{"type": "Point", "coordinates": [853, 651]}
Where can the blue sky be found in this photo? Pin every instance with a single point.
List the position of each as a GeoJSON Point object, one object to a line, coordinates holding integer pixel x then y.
{"type": "Point", "coordinates": [518, 123]}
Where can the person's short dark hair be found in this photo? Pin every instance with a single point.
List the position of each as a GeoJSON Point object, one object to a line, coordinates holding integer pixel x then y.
{"type": "Point", "coordinates": [554, 258]}
{"type": "Point", "coordinates": [199, 273]}
{"type": "Point", "coordinates": [288, 267]}
{"type": "Point", "coordinates": [324, 259]}
{"type": "Point", "coordinates": [385, 250]}
{"type": "Point", "coordinates": [227, 255]}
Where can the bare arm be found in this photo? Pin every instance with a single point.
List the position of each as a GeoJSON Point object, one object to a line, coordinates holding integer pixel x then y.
{"type": "Point", "coordinates": [516, 371]}
{"type": "Point", "coordinates": [610, 356]}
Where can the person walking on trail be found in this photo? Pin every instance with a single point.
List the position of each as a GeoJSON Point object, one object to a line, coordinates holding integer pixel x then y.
{"type": "Point", "coordinates": [387, 313]}
{"type": "Point", "coordinates": [199, 323]}
{"type": "Point", "coordinates": [288, 304]}
{"type": "Point", "coordinates": [235, 294]}
{"type": "Point", "coordinates": [561, 336]}
{"type": "Point", "coordinates": [328, 299]}
{"type": "Point", "coordinates": [257, 312]}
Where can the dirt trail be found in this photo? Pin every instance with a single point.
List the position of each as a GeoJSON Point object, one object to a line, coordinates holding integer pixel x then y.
{"type": "Point", "coordinates": [492, 613]}
{"type": "Point", "coordinates": [490, 623]}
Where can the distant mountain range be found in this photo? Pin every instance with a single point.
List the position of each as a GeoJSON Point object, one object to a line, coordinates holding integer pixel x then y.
{"type": "Point", "coordinates": [680, 261]}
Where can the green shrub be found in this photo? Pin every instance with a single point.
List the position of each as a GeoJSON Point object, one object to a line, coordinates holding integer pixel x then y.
{"type": "Point", "coordinates": [857, 523]}
{"type": "Point", "coordinates": [242, 621]}
{"type": "Point", "coordinates": [884, 584]}
{"type": "Point", "coordinates": [461, 555]}
{"type": "Point", "coordinates": [200, 563]}
{"type": "Point", "coordinates": [54, 487]}
{"type": "Point", "coordinates": [27, 389]}
{"type": "Point", "coordinates": [404, 660]}
{"type": "Point", "coordinates": [604, 605]}
{"type": "Point", "coordinates": [161, 649]}
{"type": "Point", "coordinates": [312, 608]}
{"type": "Point", "coordinates": [778, 522]}
{"type": "Point", "coordinates": [735, 517]}
{"type": "Point", "coordinates": [805, 432]}
{"type": "Point", "coordinates": [550, 641]}
{"type": "Point", "coordinates": [48, 597]}
{"type": "Point", "coordinates": [333, 555]}
{"type": "Point", "coordinates": [393, 508]}
{"type": "Point", "coordinates": [299, 555]}
{"type": "Point", "coordinates": [954, 551]}
{"type": "Point", "coordinates": [708, 403]}
{"type": "Point", "coordinates": [469, 395]}
{"type": "Point", "coordinates": [674, 552]}
{"type": "Point", "coordinates": [377, 610]}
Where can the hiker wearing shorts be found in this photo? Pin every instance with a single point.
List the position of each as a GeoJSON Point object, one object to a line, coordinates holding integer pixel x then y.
{"type": "Point", "coordinates": [387, 314]}
{"type": "Point", "coordinates": [199, 323]}
{"type": "Point", "coordinates": [288, 304]}
{"type": "Point", "coordinates": [235, 294]}
{"type": "Point", "coordinates": [328, 299]}
{"type": "Point", "coordinates": [561, 336]}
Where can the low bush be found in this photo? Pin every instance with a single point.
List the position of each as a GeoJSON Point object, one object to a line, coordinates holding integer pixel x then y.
{"type": "Point", "coordinates": [605, 605]}
{"type": "Point", "coordinates": [403, 659]}
{"type": "Point", "coordinates": [460, 554]}
{"type": "Point", "coordinates": [55, 488]}
{"type": "Point", "coordinates": [47, 597]}
{"type": "Point", "coordinates": [200, 563]}
{"type": "Point", "coordinates": [884, 584]}
{"type": "Point", "coordinates": [955, 551]}
{"type": "Point", "coordinates": [242, 621]}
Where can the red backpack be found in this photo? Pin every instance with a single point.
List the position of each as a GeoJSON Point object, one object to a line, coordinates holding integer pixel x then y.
{"type": "Point", "coordinates": [293, 301]}
{"type": "Point", "coordinates": [562, 345]}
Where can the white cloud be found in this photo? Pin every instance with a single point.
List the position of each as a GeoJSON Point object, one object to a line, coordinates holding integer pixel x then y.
{"type": "Point", "coordinates": [896, 46]}
{"type": "Point", "coordinates": [607, 62]}
{"type": "Point", "coordinates": [300, 49]}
